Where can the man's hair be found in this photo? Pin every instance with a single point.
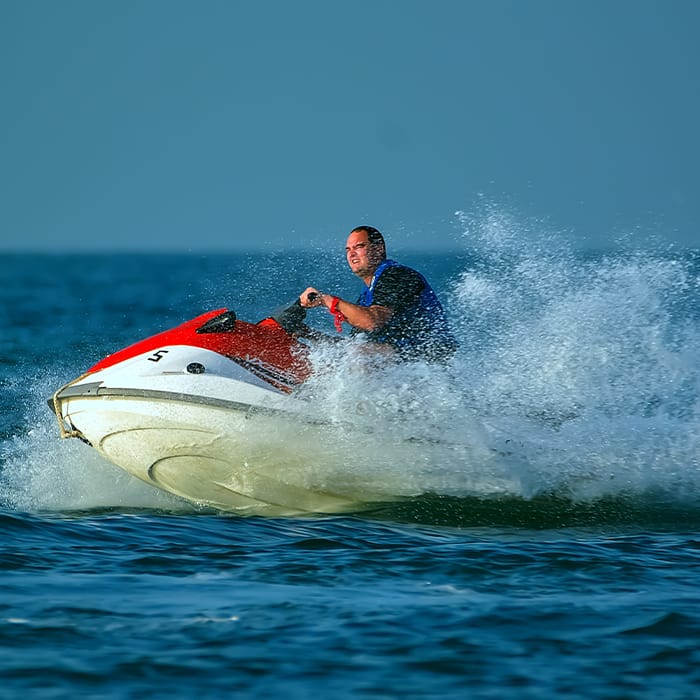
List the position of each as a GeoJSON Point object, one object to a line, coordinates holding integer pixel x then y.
{"type": "Point", "coordinates": [373, 235]}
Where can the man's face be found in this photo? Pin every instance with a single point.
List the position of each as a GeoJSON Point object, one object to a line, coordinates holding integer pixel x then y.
{"type": "Point", "coordinates": [363, 257]}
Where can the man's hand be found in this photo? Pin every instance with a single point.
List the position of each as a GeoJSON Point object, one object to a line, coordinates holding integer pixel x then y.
{"type": "Point", "coordinates": [311, 297]}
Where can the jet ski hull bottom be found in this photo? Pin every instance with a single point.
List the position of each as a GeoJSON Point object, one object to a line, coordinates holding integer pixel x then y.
{"type": "Point", "coordinates": [232, 457]}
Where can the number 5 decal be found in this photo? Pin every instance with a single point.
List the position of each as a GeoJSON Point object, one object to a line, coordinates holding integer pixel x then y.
{"type": "Point", "coordinates": [158, 356]}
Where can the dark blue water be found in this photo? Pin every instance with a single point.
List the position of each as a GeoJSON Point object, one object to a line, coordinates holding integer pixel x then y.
{"type": "Point", "coordinates": [567, 568]}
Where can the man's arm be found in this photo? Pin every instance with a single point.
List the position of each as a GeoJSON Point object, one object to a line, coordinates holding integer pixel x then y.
{"type": "Point", "coordinates": [366, 318]}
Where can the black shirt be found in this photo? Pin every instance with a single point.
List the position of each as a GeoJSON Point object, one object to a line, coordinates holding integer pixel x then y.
{"type": "Point", "coordinates": [398, 288]}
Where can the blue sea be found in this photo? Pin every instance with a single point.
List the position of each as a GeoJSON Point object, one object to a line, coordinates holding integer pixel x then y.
{"type": "Point", "coordinates": [564, 564]}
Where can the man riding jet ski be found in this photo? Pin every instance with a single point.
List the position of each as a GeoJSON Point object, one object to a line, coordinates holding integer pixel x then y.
{"type": "Point", "coordinates": [207, 410]}
{"type": "Point", "coordinates": [397, 310]}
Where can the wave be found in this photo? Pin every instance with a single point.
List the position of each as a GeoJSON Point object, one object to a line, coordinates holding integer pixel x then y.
{"type": "Point", "coordinates": [577, 378]}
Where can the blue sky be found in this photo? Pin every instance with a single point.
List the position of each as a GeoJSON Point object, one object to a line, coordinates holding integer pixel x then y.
{"type": "Point", "coordinates": [207, 125]}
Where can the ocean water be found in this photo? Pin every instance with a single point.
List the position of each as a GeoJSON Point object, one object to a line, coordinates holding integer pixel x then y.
{"type": "Point", "coordinates": [559, 558]}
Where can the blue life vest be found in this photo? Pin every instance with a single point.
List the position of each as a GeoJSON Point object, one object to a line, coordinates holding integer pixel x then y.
{"type": "Point", "coordinates": [421, 330]}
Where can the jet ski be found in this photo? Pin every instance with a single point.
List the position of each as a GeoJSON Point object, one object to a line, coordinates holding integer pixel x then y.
{"type": "Point", "coordinates": [190, 410]}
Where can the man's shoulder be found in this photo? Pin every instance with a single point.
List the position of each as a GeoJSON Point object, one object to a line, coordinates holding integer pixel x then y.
{"type": "Point", "coordinates": [398, 286]}
{"type": "Point", "coordinates": [401, 273]}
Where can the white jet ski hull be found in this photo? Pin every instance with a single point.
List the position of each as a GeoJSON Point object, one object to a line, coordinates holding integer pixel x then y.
{"type": "Point", "coordinates": [222, 438]}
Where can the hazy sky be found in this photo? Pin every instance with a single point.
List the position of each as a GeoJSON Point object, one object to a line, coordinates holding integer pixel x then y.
{"type": "Point", "coordinates": [223, 124]}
